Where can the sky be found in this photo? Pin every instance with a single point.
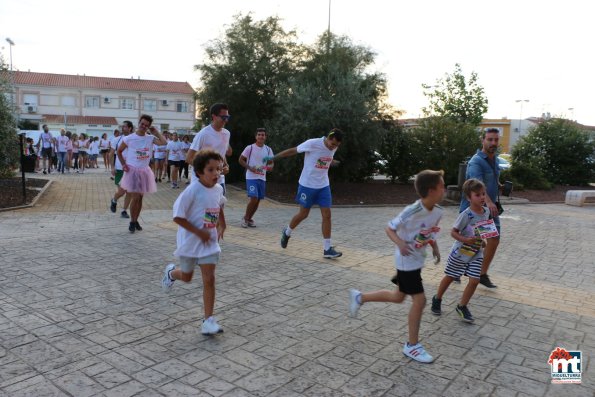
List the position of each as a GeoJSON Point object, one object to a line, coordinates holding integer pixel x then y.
{"type": "Point", "coordinates": [540, 51]}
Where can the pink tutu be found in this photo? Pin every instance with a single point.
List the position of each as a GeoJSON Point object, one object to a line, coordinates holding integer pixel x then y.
{"type": "Point", "coordinates": [139, 180]}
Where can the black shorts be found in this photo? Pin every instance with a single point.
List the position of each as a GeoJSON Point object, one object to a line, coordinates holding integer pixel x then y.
{"type": "Point", "coordinates": [46, 152]}
{"type": "Point", "coordinates": [409, 282]}
{"type": "Point", "coordinates": [173, 163]}
{"type": "Point", "coordinates": [104, 151]}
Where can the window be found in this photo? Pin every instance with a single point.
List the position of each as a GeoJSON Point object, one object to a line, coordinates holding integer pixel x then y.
{"type": "Point", "coordinates": [127, 103]}
{"type": "Point", "coordinates": [68, 100]}
{"type": "Point", "coordinates": [150, 105]}
{"type": "Point", "coordinates": [92, 101]}
{"type": "Point", "coordinates": [30, 99]}
{"type": "Point", "coordinates": [182, 107]}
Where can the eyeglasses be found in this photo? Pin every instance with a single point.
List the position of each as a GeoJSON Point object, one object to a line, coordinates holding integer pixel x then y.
{"type": "Point", "coordinates": [225, 117]}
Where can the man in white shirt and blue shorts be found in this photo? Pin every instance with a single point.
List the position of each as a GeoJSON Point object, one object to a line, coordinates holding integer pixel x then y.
{"type": "Point", "coordinates": [314, 185]}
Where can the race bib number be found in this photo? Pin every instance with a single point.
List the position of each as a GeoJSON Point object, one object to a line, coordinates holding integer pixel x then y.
{"type": "Point", "coordinates": [142, 154]}
{"type": "Point", "coordinates": [211, 217]}
{"type": "Point", "coordinates": [323, 162]}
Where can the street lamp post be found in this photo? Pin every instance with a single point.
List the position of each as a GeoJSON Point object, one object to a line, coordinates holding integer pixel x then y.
{"type": "Point", "coordinates": [521, 114]}
{"type": "Point", "coordinates": [16, 121]}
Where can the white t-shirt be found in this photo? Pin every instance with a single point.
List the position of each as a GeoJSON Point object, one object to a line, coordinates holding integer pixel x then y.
{"type": "Point", "coordinates": [116, 141]}
{"type": "Point", "coordinates": [159, 151]}
{"type": "Point", "coordinates": [317, 161]}
{"type": "Point", "coordinates": [209, 138]}
{"type": "Point", "coordinates": [83, 145]}
{"type": "Point", "coordinates": [139, 148]}
{"type": "Point", "coordinates": [201, 207]}
{"type": "Point", "coordinates": [103, 144]}
{"type": "Point", "coordinates": [417, 227]}
{"type": "Point", "coordinates": [61, 141]}
{"type": "Point", "coordinates": [46, 140]}
{"type": "Point", "coordinates": [94, 147]}
{"type": "Point", "coordinates": [175, 150]}
{"type": "Point", "coordinates": [254, 155]}
{"type": "Point", "coordinates": [465, 224]}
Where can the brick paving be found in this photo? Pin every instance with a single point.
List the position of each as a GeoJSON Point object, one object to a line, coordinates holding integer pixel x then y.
{"type": "Point", "coordinates": [82, 312]}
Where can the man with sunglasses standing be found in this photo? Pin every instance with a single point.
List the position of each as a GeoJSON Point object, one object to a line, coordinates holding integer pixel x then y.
{"type": "Point", "coordinates": [213, 136]}
{"type": "Point", "coordinates": [314, 185]}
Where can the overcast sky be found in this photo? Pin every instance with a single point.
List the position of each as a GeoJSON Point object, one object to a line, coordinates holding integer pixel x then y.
{"type": "Point", "coordinates": [535, 50]}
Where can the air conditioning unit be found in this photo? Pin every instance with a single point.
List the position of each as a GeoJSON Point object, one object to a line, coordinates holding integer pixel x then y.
{"type": "Point", "coordinates": [31, 109]}
{"type": "Point", "coordinates": [107, 100]}
{"type": "Point", "coordinates": [164, 102]}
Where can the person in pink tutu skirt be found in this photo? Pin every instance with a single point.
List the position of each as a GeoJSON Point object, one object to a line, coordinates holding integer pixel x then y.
{"type": "Point", "coordinates": [138, 178]}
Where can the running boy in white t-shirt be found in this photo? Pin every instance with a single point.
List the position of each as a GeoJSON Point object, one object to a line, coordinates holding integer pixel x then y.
{"type": "Point", "coordinates": [198, 211]}
{"type": "Point", "coordinates": [412, 231]}
{"type": "Point", "coordinates": [256, 174]}
{"type": "Point", "coordinates": [466, 255]}
{"type": "Point", "coordinates": [314, 186]}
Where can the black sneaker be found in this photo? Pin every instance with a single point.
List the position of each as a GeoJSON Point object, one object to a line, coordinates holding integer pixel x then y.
{"type": "Point", "coordinates": [284, 239]}
{"type": "Point", "coordinates": [465, 314]}
{"type": "Point", "coordinates": [330, 253]}
{"type": "Point", "coordinates": [131, 227]}
{"type": "Point", "coordinates": [484, 280]}
{"type": "Point", "coordinates": [137, 226]}
{"type": "Point", "coordinates": [113, 206]}
{"type": "Point", "coordinates": [124, 214]}
{"type": "Point", "coordinates": [436, 306]}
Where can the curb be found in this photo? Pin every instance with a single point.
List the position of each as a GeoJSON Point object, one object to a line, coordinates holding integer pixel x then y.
{"type": "Point", "coordinates": [32, 204]}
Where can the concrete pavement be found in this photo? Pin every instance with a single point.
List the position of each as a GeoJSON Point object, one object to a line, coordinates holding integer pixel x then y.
{"type": "Point", "coordinates": [82, 312]}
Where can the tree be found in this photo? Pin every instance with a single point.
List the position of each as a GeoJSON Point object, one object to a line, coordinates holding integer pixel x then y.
{"type": "Point", "coordinates": [332, 88]}
{"type": "Point", "coordinates": [560, 149]}
{"type": "Point", "coordinates": [457, 98]}
{"type": "Point", "coordinates": [9, 146]}
{"type": "Point", "coordinates": [244, 69]}
{"type": "Point", "coordinates": [440, 143]}
{"type": "Point", "coordinates": [398, 161]}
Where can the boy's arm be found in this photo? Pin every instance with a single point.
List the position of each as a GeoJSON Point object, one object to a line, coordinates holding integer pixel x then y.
{"type": "Point", "coordinates": [403, 247]}
{"type": "Point", "coordinates": [455, 233]}
{"type": "Point", "coordinates": [204, 235]}
{"type": "Point", "coordinates": [435, 251]}
{"type": "Point", "coordinates": [221, 225]}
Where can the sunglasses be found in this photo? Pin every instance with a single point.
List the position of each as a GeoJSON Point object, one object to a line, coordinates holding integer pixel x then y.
{"type": "Point", "coordinates": [225, 117]}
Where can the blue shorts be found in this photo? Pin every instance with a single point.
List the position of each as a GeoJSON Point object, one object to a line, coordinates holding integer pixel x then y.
{"type": "Point", "coordinates": [255, 188]}
{"type": "Point", "coordinates": [307, 197]}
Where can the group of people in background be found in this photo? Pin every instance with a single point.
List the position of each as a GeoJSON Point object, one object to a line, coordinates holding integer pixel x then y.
{"type": "Point", "coordinates": [67, 152]}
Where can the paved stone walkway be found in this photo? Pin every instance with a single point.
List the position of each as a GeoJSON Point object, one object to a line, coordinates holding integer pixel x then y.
{"type": "Point", "coordinates": [82, 312]}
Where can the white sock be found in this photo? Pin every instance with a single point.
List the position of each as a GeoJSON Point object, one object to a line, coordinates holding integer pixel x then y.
{"type": "Point", "coordinates": [327, 243]}
{"type": "Point", "coordinates": [288, 231]}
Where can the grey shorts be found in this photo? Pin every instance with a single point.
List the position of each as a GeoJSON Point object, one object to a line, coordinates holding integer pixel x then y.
{"type": "Point", "coordinates": [187, 264]}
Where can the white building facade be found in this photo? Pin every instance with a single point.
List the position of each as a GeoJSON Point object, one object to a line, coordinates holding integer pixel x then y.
{"type": "Point", "coordinates": [97, 105]}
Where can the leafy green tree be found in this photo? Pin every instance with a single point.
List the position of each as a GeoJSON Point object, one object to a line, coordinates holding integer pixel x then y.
{"type": "Point", "coordinates": [457, 98]}
{"type": "Point", "coordinates": [560, 149]}
{"type": "Point", "coordinates": [9, 146]}
{"type": "Point", "coordinates": [244, 69]}
{"type": "Point", "coordinates": [442, 143]}
{"type": "Point", "coordinates": [398, 160]}
{"type": "Point", "coordinates": [332, 88]}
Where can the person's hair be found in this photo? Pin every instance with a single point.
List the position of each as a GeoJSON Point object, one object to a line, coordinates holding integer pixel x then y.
{"type": "Point", "coordinates": [74, 136]}
{"type": "Point", "coordinates": [96, 138]}
{"type": "Point", "coordinates": [68, 134]}
{"type": "Point", "coordinates": [335, 134]}
{"type": "Point", "coordinates": [129, 124]}
{"type": "Point", "coordinates": [146, 117]}
{"type": "Point", "coordinates": [104, 135]}
{"type": "Point", "coordinates": [489, 130]}
{"type": "Point", "coordinates": [472, 185]}
{"type": "Point", "coordinates": [43, 126]}
{"type": "Point", "coordinates": [260, 129]}
{"type": "Point", "coordinates": [83, 135]}
{"type": "Point", "coordinates": [216, 108]}
{"type": "Point", "coordinates": [202, 159]}
{"type": "Point", "coordinates": [28, 140]}
{"type": "Point", "coordinates": [426, 180]}
{"type": "Point", "coordinates": [116, 131]}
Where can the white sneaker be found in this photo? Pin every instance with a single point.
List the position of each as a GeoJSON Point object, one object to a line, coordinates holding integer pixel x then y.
{"type": "Point", "coordinates": [210, 327]}
{"type": "Point", "coordinates": [417, 352]}
{"type": "Point", "coordinates": [243, 223]}
{"type": "Point", "coordinates": [167, 282]}
{"type": "Point", "coordinates": [251, 223]}
{"type": "Point", "coordinates": [354, 302]}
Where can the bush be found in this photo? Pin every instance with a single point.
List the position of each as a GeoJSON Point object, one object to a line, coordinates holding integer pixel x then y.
{"type": "Point", "coordinates": [558, 150]}
{"type": "Point", "coordinates": [9, 144]}
{"type": "Point", "coordinates": [528, 176]}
